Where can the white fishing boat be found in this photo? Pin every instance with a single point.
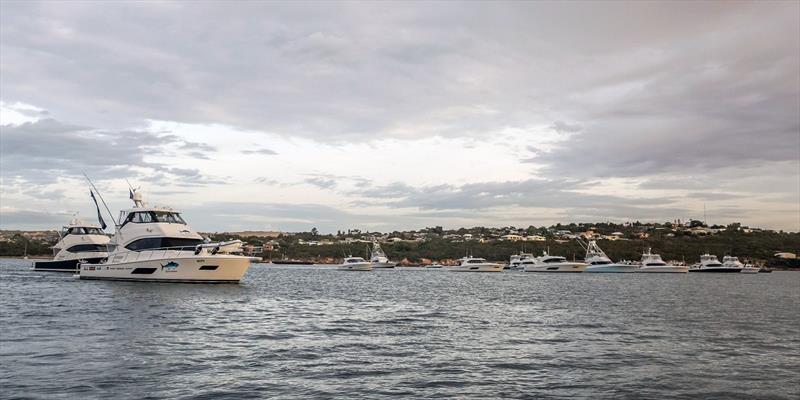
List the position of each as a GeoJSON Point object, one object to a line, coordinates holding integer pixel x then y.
{"type": "Point", "coordinates": [434, 266]}
{"type": "Point", "coordinates": [599, 262]}
{"type": "Point", "coordinates": [155, 244]}
{"type": "Point", "coordinates": [378, 257]}
{"type": "Point", "coordinates": [475, 264]}
{"type": "Point", "coordinates": [548, 263]}
{"type": "Point", "coordinates": [79, 242]}
{"type": "Point", "coordinates": [518, 261]}
{"type": "Point", "coordinates": [351, 263]}
{"type": "Point", "coordinates": [751, 269]}
{"type": "Point", "coordinates": [710, 263]}
{"type": "Point", "coordinates": [654, 264]}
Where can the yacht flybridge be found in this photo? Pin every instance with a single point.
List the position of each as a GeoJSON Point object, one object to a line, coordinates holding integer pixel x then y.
{"type": "Point", "coordinates": [599, 262]}
{"type": "Point", "coordinates": [155, 244]}
{"type": "Point", "coordinates": [79, 242]}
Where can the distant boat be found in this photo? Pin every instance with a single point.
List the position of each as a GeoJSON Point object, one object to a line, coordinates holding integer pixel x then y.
{"type": "Point", "coordinates": [351, 263]}
{"type": "Point", "coordinates": [474, 264]}
{"type": "Point", "coordinates": [750, 269]}
{"type": "Point", "coordinates": [434, 266]}
{"type": "Point", "coordinates": [378, 257]}
{"type": "Point", "coordinates": [710, 263]}
{"type": "Point", "coordinates": [599, 262]}
{"type": "Point", "coordinates": [548, 263]}
{"type": "Point", "coordinates": [653, 263]}
{"type": "Point", "coordinates": [79, 242]}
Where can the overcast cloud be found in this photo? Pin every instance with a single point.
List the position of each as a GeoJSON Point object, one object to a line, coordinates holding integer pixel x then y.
{"type": "Point", "coordinates": [400, 112]}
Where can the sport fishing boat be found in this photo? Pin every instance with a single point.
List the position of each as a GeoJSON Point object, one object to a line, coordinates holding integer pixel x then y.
{"type": "Point", "coordinates": [654, 264]}
{"type": "Point", "coordinates": [378, 257]}
{"type": "Point", "coordinates": [599, 262]}
{"type": "Point", "coordinates": [79, 242]}
{"type": "Point", "coordinates": [548, 263]}
{"type": "Point", "coordinates": [710, 263]}
{"type": "Point", "coordinates": [475, 264]}
{"type": "Point", "coordinates": [516, 261]}
{"type": "Point", "coordinates": [750, 269]}
{"type": "Point", "coordinates": [154, 244]}
{"type": "Point", "coordinates": [351, 263]}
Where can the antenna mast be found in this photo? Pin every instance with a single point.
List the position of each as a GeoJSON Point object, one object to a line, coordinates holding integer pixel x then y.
{"type": "Point", "coordinates": [116, 223]}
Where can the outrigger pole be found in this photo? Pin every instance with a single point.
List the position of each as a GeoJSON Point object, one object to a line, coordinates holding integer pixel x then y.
{"type": "Point", "coordinates": [116, 223]}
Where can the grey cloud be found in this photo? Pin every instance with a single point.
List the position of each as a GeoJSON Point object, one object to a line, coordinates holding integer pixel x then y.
{"type": "Point", "coordinates": [266, 152]}
{"type": "Point", "coordinates": [563, 127]}
{"type": "Point", "coordinates": [26, 219]}
{"type": "Point", "coordinates": [320, 182]}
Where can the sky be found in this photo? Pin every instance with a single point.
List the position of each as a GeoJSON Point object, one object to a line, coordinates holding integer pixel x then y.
{"type": "Point", "coordinates": [402, 115]}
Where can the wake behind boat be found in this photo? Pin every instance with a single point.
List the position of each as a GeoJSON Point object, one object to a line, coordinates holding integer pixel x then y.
{"type": "Point", "coordinates": [79, 242]}
{"type": "Point", "coordinates": [154, 244]}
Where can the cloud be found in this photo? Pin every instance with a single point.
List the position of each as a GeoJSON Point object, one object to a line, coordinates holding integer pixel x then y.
{"type": "Point", "coordinates": [321, 182]}
{"type": "Point", "coordinates": [265, 152]}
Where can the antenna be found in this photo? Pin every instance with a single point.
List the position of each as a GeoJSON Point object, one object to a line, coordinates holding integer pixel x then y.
{"type": "Point", "coordinates": [116, 223]}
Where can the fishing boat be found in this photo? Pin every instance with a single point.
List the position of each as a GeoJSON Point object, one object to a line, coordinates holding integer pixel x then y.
{"type": "Point", "coordinates": [475, 264]}
{"type": "Point", "coordinates": [548, 263]}
{"type": "Point", "coordinates": [653, 263]}
{"type": "Point", "coordinates": [155, 244]}
{"type": "Point", "coordinates": [79, 242]}
{"type": "Point", "coordinates": [599, 262]}
{"type": "Point", "coordinates": [378, 257]}
{"type": "Point", "coordinates": [351, 263]}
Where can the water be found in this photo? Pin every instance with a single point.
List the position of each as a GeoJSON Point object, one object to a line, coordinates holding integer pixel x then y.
{"type": "Point", "coordinates": [304, 332]}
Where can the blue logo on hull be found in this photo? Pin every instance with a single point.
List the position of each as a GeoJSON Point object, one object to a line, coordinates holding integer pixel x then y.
{"type": "Point", "coordinates": [171, 266]}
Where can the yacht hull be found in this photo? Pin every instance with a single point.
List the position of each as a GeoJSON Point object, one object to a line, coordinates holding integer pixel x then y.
{"type": "Point", "coordinates": [665, 269]}
{"type": "Point", "coordinates": [63, 265]}
{"type": "Point", "coordinates": [185, 269]}
{"type": "Point", "coordinates": [717, 270]}
{"type": "Point", "coordinates": [383, 265]}
{"type": "Point", "coordinates": [750, 270]}
{"type": "Point", "coordinates": [564, 268]}
{"type": "Point", "coordinates": [355, 267]}
{"type": "Point", "coordinates": [612, 268]}
{"type": "Point", "coordinates": [478, 268]}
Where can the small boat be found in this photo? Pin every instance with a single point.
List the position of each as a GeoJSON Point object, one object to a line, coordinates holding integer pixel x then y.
{"type": "Point", "coordinates": [475, 264]}
{"type": "Point", "coordinates": [79, 242]}
{"type": "Point", "coordinates": [548, 263]}
{"type": "Point", "coordinates": [750, 269]}
{"type": "Point", "coordinates": [434, 266]}
{"type": "Point", "coordinates": [351, 263]}
{"type": "Point", "coordinates": [155, 244]}
{"type": "Point", "coordinates": [599, 262]}
{"type": "Point", "coordinates": [654, 264]}
{"type": "Point", "coordinates": [378, 257]}
{"type": "Point", "coordinates": [710, 263]}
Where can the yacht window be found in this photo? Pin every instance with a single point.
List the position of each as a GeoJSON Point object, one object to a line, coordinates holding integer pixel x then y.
{"type": "Point", "coordinates": [162, 242]}
{"type": "Point", "coordinates": [600, 262]}
{"type": "Point", "coordinates": [142, 218]}
{"type": "Point", "coordinates": [76, 231]}
{"type": "Point", "coordinates": [554, 260]}
{"type": "Point", "coordinates": [87, 248]}
{"type": "Point", "coordinates": [94, 231]}
{"type": "Point", "coordinates": [476, 261]}
{"type": "Point", "coordinates": [168, 217]}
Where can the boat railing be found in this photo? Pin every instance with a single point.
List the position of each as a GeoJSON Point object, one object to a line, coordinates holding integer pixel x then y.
{"type": "Point", "coordinates": [212, 248]}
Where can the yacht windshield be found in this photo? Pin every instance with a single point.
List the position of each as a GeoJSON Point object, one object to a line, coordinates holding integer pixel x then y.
{"type": "Point", "coordinates": [146, 217]}
{"type": "Point", "coordinates": [476, 261]}
{"type": "Point", "coordinates": [84, 231]}
{"type": "Point", "coordinates": [600, 262]}
{"type": "Point", "coordinates": [555, 260]}
{"type": "Point", "coordinates": [163, 242]}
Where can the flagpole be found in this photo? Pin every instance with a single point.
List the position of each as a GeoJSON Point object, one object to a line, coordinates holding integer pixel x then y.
{"type": "Point", "coordinates": [116, 223]}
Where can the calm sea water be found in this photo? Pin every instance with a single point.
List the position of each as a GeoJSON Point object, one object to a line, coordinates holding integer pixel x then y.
{"type": "Point", "coordinates": [306, 332]}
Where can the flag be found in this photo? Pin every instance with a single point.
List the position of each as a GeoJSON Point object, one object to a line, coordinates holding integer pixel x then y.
{"type": "Point", "coordinates": [131, 193]}
{"type": "Point", "coordinates": [99, 216]}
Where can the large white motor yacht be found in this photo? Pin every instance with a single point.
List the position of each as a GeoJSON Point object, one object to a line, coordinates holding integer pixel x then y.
{"type": "Point", "coordinates": [79, 242]}
{"type": "Point", "coordinates": [155, 244]}
{"type": "Point", "coordinates": [599, 262]}
{"type": "Point", "coordinates": [654, 264]}
{"type": "Point", "coordinates": [548, 263]}
{"type": "Point", "coordinates": [710, 263]}
{"type": "Point", "coordinates": [378, 257]}
{"type": "Point", "coordinates": [474, 264]}
{"type": "Point", "coordinates": [355, 264]}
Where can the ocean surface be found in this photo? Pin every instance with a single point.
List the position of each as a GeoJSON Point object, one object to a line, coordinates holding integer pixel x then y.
{"type": "Point", "coordinates": [313, 332]}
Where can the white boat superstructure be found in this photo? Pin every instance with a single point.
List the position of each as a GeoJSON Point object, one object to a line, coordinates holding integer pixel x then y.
{"type": "Point", "coordinates": [653, 263]}
{"type": "Point", "coordinates": [351, 263]}
{"type": "Point", "coordinates": [475, 264]}
{"type": "Point", "coordinates": [154, 244]}
{"type": "Point", "coordinates": [79, 242]}
{"type": "Point", "coordinates": [378, 257]}
{"type": "Point", "coordinates": [548, 263]}
{"type": "Point", "coordinates": [710, 263]}
{"type": "Point", "coordinates": [750, 269]}
{"type": "Point", "coordinates": [518, 261]}
{"type": "Point", "coordinates": [599, 262]}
